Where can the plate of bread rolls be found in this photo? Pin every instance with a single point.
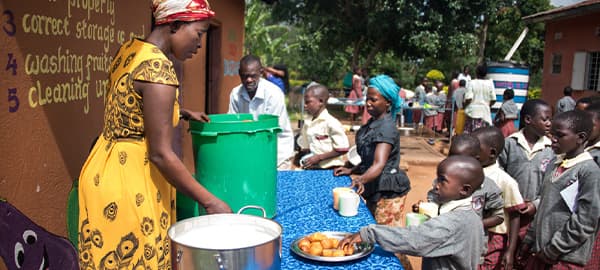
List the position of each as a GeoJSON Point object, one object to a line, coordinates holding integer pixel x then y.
{"type": "Point", "coordinates": [323, 246]}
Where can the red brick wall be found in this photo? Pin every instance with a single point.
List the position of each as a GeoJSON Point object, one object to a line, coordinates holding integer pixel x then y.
{"type": "Point", "coordinates": [578, 34]}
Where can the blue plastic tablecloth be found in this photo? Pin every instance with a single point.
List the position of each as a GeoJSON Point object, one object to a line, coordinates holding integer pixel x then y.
{"type": "Point", "coordinates": [305, 205]}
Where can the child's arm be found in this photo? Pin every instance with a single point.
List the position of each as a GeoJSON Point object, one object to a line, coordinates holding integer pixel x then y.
{"type": "Point", "coordinates": [583, 222]}
{"type": "Point", "coordinates": [492, 221]}
{"type": "Point", "coordinates": [493, 208]}
{"type": "Point", "coordinates": [382, 153]}
{"type": "Point", "coordinates": [513, 236]}
{"type": "Point", "coordinates": [437, 237]}
{"type": "Point", "coordinates": [314, 160]}
{"type": "Point", "coordinates": [499, 117]}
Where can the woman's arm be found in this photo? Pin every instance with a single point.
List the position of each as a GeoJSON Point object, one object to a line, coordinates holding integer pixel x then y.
{"type": "Point", "coordinates": [276, 72]}
{"type": "Point", "coordinates": [158, 116]}
{"type": "Point", "coordinates": [382, 153]}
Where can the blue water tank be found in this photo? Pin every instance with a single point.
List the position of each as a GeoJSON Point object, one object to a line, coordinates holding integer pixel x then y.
{"type": "Point", "coordinates": [509, 75]}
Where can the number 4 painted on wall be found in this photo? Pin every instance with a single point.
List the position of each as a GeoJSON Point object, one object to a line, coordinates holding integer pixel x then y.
{"type": "Point", "coordinates": [12, 64]}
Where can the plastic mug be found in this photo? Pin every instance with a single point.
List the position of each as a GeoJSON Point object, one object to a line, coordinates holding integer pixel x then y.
{"type": "Point", "coordinates": [349, 204]}
{"type": "Point", "coordinates": [414, 219]}
{"type": "Point", "coordinates": [336, 195]}
{"type": "Point", "coordinates": [429, 209]}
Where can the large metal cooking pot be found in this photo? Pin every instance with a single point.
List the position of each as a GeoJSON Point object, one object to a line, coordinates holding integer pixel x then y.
{"type": "Point", "coordinates": [226, 241]}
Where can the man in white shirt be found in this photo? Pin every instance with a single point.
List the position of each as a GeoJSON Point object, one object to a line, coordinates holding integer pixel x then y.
{"type": "Point", "coordinates": [258, 96]}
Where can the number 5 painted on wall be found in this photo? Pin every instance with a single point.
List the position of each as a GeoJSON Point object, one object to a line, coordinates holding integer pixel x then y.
{"type": "Point", "coordinates": [9, 24]}
{"type": "Point", "coordinates": [14, 99]}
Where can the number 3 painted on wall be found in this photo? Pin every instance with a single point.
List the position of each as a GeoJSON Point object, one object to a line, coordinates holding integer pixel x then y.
{"type": "Point", "coordinates": [9, 25]}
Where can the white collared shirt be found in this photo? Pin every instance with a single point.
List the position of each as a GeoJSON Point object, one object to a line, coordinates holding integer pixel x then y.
{"type": "Point", "coordinates": [465, 203]}
{"type": "Point", "coordinates": [541, 143]}
{"type": "Point", "coordinates": [268, 100]}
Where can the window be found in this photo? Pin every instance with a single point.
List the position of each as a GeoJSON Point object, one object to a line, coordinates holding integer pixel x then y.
{"type": "Point", "coordinates": [593, 76]}
{"type": "Point", "coordinates": [586, 71]}
{"type": "Point", "coordinates": [556, 63]}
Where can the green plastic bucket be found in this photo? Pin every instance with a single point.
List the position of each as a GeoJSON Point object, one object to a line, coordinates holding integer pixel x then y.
{"type": "Point", "coordinates": [236, 160]}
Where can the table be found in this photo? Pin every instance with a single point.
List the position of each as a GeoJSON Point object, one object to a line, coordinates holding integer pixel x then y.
{"type": "Point", "coordinates": [304, 206]}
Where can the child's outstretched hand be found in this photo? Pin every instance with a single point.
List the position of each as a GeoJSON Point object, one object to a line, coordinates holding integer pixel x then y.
{"type": "Point", "coordinates": [349, 240]}
{"type": "Point", "coordinates": [415, 207]}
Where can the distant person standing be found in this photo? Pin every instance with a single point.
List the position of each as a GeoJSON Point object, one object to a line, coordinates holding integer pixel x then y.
{"type": "Point", "coordinates": [566, 103]}
{"type": "Point", "coordinates": [459, 110]}
{"type": "Point", "coordinates": [508, 113]}
{"type": "Point", "coordinates": [258, 96]}
{"type": "Point", "coordinates": [278, 75]}
{"type": "Point", "coordinates": [355, 93]}
{"type": "Point", "coordinates": [464, 75]}
{"type": "Point", "coordinates": [480, 96]}
{"type": "Point", "coordinates": [440, 101]}
{"type": "Point", "coordinates": [420, 99]}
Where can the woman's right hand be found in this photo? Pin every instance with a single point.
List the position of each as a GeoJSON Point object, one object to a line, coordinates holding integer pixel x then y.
{"type": "Point", "coordinates": [217, 206]}
{"type": "Point", "coordinates": [342, 171]}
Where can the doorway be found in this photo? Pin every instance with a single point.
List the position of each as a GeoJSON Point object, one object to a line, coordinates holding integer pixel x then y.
{"type": "Point", "coordinates": [214, 66]}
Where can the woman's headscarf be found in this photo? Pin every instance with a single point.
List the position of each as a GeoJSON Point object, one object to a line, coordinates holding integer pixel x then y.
{"type": "Point", "coordinates": [386, 86]}
{"type": "Point", "coordinates": [166, 11]}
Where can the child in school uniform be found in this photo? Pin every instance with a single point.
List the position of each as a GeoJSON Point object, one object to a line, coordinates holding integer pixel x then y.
{"type": "Point", "coordinates": [507, 114]}
{"type": "Point", "coordinates": [323, 138]}
{"type": "Point", "coordinates": [502, 239]}
{"type": "Point", "coordinates": [452, 240]}
{"type": "Point", "coordinates": [562, 234]}
{"type": "Point", "coordinates": [430, 113]}
{"type": "Point", "coordinates": [487, 200]}
{"type": "Point", "coordinates": [440, 102]}
{"type": "Point", "coordinates": [526, 154]}
{"type": "Point", "coordinates": [593, 147]}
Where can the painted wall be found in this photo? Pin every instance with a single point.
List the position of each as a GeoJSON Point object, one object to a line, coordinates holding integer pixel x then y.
{"type": "Point", "coordinates": [578, 34]}
{"type": "Point", "coordinates": [54, 56]}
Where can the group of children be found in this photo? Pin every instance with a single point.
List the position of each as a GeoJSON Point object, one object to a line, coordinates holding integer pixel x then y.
{"type": "Point", "coordinates": [546, 176]}
{"type": "Point", "coordinates": [527, 201]}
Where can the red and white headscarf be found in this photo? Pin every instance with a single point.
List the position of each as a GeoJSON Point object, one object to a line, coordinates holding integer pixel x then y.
{"type": "Point", "coordinates": [166, 11]}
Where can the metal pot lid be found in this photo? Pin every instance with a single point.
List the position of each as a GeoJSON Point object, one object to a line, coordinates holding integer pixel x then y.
{"type": "Point", "coordinates": [224, 231]}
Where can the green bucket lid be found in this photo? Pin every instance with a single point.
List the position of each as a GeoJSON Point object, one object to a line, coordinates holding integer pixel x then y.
{"type": "Point", "coordinates": [235, 123]}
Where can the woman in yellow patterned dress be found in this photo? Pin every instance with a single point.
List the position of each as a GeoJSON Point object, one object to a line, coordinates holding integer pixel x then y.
{"type": "Point", "coordinates": [127, 185]}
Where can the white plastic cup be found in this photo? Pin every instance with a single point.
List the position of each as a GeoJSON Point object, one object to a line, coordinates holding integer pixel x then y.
{"type": "Point", "coordinates": [336, 195]}
{"type": "Point", "coordinates": [414, 219]}
{"type": "Point", "coordinates": [348, 204]}
{"type": "Point", "coordinates": [429, 209]}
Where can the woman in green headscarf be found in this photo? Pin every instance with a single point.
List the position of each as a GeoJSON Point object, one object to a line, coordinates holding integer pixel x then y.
{"type": "Point", "coordinates": [379, 180]}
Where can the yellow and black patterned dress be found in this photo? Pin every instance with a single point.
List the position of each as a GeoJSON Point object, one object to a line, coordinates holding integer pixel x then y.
{"type": "Point", "coordinates": [126, 205]}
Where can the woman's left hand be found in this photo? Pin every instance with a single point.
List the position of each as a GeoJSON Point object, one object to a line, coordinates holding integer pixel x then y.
{"type": "Point", "coordinates": [358, 184]}
{"type": "Point", "coordinates": [191, 115]}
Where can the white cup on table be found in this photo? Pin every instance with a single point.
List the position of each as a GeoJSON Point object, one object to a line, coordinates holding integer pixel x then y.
{"type": "Point", "coordinates": [348, 203]}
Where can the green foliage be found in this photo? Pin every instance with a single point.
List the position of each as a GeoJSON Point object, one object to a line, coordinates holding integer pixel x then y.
{"type": "Point", "coordinates": [534, 92]}
{"type": "Point", "coordinates": [322, 40]}
{"type": "Point", "coordinates": [435, 74]}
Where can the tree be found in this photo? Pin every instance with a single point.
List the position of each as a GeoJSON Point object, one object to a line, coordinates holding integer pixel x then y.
{"type": "Point", "coordinates": [361, 28]}
{"type": "Point", "coordinates": [398, 37]}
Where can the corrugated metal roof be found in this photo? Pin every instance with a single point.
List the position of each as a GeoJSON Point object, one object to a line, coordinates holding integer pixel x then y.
{"type": "Point", "coordinates": [577, 9]}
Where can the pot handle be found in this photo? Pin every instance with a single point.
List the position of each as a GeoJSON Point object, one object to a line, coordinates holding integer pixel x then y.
{"type": "Point", "coordinates": [253, 207]}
